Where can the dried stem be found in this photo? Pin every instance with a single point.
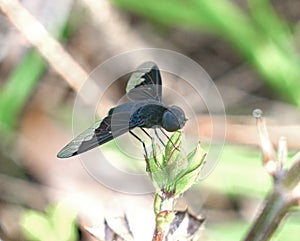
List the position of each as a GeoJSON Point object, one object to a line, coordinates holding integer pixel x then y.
{"type": "Point", "coordinates": [284, 194]}
{"type": "Point", "coordinates": [269, 155]}
{"type": "Point", "coordinates": [275, 209]}
{"type": "Point", "coordinates": [113, 24]}
{"type": "Point", "coordinates": [39, 37]}
{"type": "Point", "coordinates": [49, 48]}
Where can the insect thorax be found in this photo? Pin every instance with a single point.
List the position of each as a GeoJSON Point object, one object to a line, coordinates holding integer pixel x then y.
{"type": "Point", "coordinates": [148, 116]}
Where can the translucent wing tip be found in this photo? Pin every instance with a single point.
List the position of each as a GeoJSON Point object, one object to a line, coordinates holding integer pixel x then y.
{"type": "Point", "coordinates": [65, 153]}
{"type": "Point", "coordinates": [145, 83]}
{"type": "Point", "coordinates": [140, 71]}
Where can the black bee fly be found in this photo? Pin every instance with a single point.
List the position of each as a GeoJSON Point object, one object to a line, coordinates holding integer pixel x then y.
{"type": "Point", "coordinates": [146, 110]}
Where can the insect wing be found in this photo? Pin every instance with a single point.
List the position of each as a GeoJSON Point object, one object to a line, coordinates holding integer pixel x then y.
{"type": "Point", "coordinates": [114, 125]}
{"type": "Point", "coordinates": [84, 142]}
{"type": "Point", "coordinates": [145, 83]}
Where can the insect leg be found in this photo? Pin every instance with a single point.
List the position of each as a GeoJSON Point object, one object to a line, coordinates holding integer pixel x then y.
{"type": "Point", "coordinates": [151, 136]}
{"type": "Point", "coordinates": [153, 147]}
{"type": "Point", "coordinates": [140, 140]}
{"type": "Point", "coordinates": [168, 138]}
{"type": "Point", "coordinates": [161, 141]}
{"type": "Point", "coordinates": [146, 132]}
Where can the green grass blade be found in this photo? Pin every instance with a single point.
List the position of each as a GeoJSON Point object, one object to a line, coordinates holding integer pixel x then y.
{"type": "Point", "coordinates": [18, 88]}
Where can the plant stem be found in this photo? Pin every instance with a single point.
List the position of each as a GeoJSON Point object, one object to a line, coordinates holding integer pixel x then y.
{"type": "Point", "coordinates": [158, 235]}
{"type": "Point", "coordinates": [292, 178]}
{"type": "Point", "coordinates": [270, 217]}
{"type": "Point", "coordinates": [280, 200]}
{"type": "Point", "coordinates": [163, 208]}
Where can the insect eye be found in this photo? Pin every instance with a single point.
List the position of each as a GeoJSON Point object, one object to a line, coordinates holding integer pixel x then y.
{"type": "Point", "coordinates": [170, 121]}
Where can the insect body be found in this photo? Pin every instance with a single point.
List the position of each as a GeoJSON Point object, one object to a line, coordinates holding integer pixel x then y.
{"type": "Point", "coordinates": [145, 110]}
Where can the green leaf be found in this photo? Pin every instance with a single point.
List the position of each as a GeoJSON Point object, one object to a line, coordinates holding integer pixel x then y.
{"type": "Point", "coordinates": [190, 175]}
{"type": "Point", "coordinates": [196, 157]}
{"type": "Point", "coordinates": [172, 147]}
{"type": "Point", "coordinates": [36, 226]}
{"type": "Point", "coordinates": [156, 167]}
{"type": "Point", "coordinates": [177, 166]}
{"type": "Point", "coordinates": [176, 160]}
{"type": "Point", "coordinates": [58, 223]}
{"type": "Point", "coordinates": [64, 221]}
{"type": "Point", "coordinates": [156, 161]}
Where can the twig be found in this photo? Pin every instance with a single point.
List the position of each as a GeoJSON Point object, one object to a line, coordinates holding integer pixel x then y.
{"type": "Point", "coordinates": [275, 209]}
{"type": "Point", "coordinates": [292, 178]}
{"type": "Point", "coordinates": [270, 161]}
{"type": "Point", "coordinates": [277, 205]}
{"type": "Point", "coordinates": [113, 25]}
{"type": "Point", "coordinates": [50, 49]}
{"type": "Point", "coordinates": [240, 130]}
{"type": "Point", "coordinates": [285, 190]}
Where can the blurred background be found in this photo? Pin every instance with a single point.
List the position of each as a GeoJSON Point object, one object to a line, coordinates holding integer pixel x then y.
{"type": "Point", "coordinates": [47, 49]}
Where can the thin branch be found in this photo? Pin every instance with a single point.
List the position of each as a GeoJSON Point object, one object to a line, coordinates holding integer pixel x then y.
{"type": "Point", "coordinates": [39, 37]}
{"type": "Point", "coordinates": [270, 161]}
{"type": "Point", "coordinates": [273, 212]}
{"type": "Point", "coordinates": [50, 49]}
{"type": "Point", "coordinates": [282, 152]}
{"type": "Point", "coordinates": [285, 190]}
{"type": "Point", "coordinates": [117, 34]}
{"type": "Point", "coordinates": [292, 178]}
